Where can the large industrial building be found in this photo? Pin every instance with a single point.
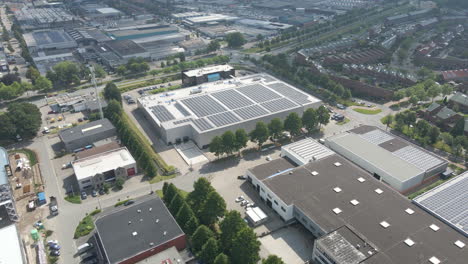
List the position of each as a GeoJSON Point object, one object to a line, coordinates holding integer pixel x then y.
{"type": "Point", "coordinates": [93, 171]}
{"type": "Point", "coordinates": [355, 217]}
{"type": "Point", "coordinates": [38, 18]}
{"type": "Point", "coordinates": [49, 39]}
{"type": "Point", "coordinates": [203, 112]}
{"type": "Point", "coordinates": [207, 74]}
{"type": "Point", "coordinates": [141, 31]}
{"type": "Point", "coordinates": [137, 232]}
{"type": "Point", "coordinates": [389, 158]}
{"type": "Point", "coordinates": [83, 135]}
{"type": "Point", "coordinates": [448, 202]}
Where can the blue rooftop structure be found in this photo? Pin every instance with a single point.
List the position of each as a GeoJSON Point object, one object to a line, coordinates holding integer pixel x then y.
{"type": "Point", "coordinates": [3, 162]}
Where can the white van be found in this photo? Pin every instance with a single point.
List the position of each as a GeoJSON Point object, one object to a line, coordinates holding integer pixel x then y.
{"type": "Point", "coordinates": [85, 247]}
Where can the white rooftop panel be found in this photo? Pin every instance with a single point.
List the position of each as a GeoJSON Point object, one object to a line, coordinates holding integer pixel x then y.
{"type": "Point", "coordinates": [307, 150]}
{"type": "Point", "coordinates": [418, 158]}
{"type": "Point", "coordinates": [376, 136]}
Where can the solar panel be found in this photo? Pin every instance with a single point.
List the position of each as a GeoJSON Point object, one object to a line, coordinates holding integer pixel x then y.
{"type": "Point", "coordinates": [178, 122]}
{"type": "Point", "coordinates": [232, 99]}
{"type": "Point", "coordinates": [279, 105]}
{"type": "Point", "coordinates": [202, 124]}
{"type": "Point", "coordinates": [376, 137]}
{"type": "Point", "coordinates": [161, 113]}
{"type": "Point", "coordinates": [203, 105]}
{"type": "Point", "coordinates": [223, 119]}
{"type": "Point", "coordinates": [250, 112]}
{"type": "Point", "coordinates": [258, 93]}
{"type": "Point", "coordinates": [181, 109]}
{"type": "Point", "coordinates": [418, 158]}
{"type": "Point", "coordinates": [448, 201]}
{"type": "Point", "coordinates": [290, 93]}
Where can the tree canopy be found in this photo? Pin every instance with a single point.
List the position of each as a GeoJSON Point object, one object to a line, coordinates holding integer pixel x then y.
{"type": "Point", "coordinates": [235, 40]}
{"type": "Point", "coordinates": [230, 226]}
{"type": "Point", "coordinates": [310, 119]}
{"type": "Point", "coordinates": [245, 247]}
{"type": "Point", "coordinates": [293, 124]}
{"type": "Point", "coordinates": [65, 73]}
{"type": "Point", "coordinates": [276, 127]}
{"type": "Point", "coordinates": [111, 91]}
{"type": "Point", "coordinates": [200, 237]}
{"type": "Point", "coordinates": [272, 259]}
{"type": "Point", "coordinates": [260, 134]}
{"type": "Point", "coordinates": [221, 259]}
{"type": "Point", "coordinates": [201, 188]}
{"type": "Point", "coordinates": [209, 251]}
{"type": "Point", "coordinates": [213, 208]}
{"type": "Point", "coordinates": [23, 119]}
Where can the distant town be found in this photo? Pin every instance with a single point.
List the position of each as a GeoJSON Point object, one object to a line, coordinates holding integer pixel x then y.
{"type": "Point", "coordinates": [233, 131]}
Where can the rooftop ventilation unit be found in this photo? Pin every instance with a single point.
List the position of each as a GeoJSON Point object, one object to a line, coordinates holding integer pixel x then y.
{"type": "Point", "coordinates": [138, 211]}
{"type": "Point", "coordinates": [165, 233]}
{"type": "Point", "coordinates": [361, 179]}
{"type": "Point", "coordinates": [315, 173]}
{"type": "Point", "coordinates": [378, 191]}
{"type": "Point", "coordinates": [434, 227]}
{"type": "Point", "coordinates": [157, 220]}
{"type": "Point", "coordinates": [150, 209]}
{"type": "Point", "coordinates": [409, 211]}
{"type": "Point", "coordinates": [337, 189]}
{"type": "Point", "coordinates": [459, 244]}
{"type": "Point", "coordinates": [151, 244]}
{"type": "Point", "coordinates": [134, 233]}
{"type": "Point", "coordinates": [337, 210]}
{"type": "Point", "coordinates": [434, 260]}
{"type": "Point", "coordinates": [384, 224]}
{"type": "Point", "coordinates": [337, 164]}
{"type": "Point", "coordinates": [354, 202]}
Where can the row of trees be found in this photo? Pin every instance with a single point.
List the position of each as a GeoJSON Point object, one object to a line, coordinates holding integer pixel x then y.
{"type": "Point", "coordinates": [423, 91]}
{"type": "Point", "coordinates": [231, 142]}
{"type": "Point", "coordinates": [23, 119]}
{"type": "Point", "coordinates": [214, 242]}
{"type": "Point", "coordinates": [66, 73]}
{"type": "Point", "coordinates": [184, 65]}
{"type": "Point", "coordinates": [133, 66]}
{"type": "Point", "coordinates": [18, 33]}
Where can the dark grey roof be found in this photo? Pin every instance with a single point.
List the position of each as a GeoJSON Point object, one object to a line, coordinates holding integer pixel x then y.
{"type": "Point", "coordinates": [315, 197]}
{"type": "Point", "coordinates": [432, 107]}
{"type": "Point", "coordinates": [271, 168]}
{"type": "Point", "coordinates": [116, 234]}
{"type": "Point", "coordinates": [73, 133]}
{"type": "Point", "coordinates": [93, 105]}
{"type": "Point", "coordinates": [125, 47]}
{"type": "Point", "coordinates": [460, 98]}
{"type": "Point", "coordinates": [445, 113]}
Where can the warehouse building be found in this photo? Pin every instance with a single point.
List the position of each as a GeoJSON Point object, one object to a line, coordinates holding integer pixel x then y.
{"type": "Point", "coordinates": [389, 158]}
{"type": "Point", "coordinates": [355, 218]}
{"type": "Point", "coordinates": [141, 31]}
{"type": "Point", "coordinates": [81, 136]}
{"type": "Point", "coordinates": [93, 171]}
{"type": "Point", "coordinates": [49, 39]}
{"type": "Point", "coordinates": [208, 19]}
{"type": "Point", "coordinates": [41, 18]}
{"type": "Point", "coordinates": [201, 113]}
{"type": "Point", "coordinates": [207, 74]}
{"type": "Point", "coordinates": [448, 202]}
{"type": "Point", "coordinates": [137, 232]}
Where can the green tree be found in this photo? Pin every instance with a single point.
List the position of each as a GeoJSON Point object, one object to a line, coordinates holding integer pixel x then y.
{"type": "Point", "coordinates": [164, 188]}
{"type": "Point", "coordinates": [191, 225]}
{"type": "Point", "coordinates": [276, 127]}
{"type": "Point", "coordinates": [184, 215]}
{"type": "Point", "coordinates": [201, 188]}
{"type": "Point", "coordinates": [241, 139]}
{"type": "Point", "coordinates": [216, 146]}
{"type": "Point", "coordinates": [228, 142]}
{"type": "Point", "coordinates": [65, 73]}
{"type": "Point", "coordinates": [273, 259]}
{"type": "Point", "coordinates": [200, 237]}
{"type": "Point", "coordinates": [422, 128]}
{"type": "Point", "coordinates": [260, 134]}
{"type": "Point", "coordinates": [8, 128]}
{"type": "Point", "coordinates": [434, 133]}
{"type": "Point", "coordinates": [230, 226]}
{"type": "Point", "coordinates": [113, 109]}
{"type": "Point", "coordinates": [310, 119]}
{"type": "Point", "coordinates": [387, 120]}
{"type": "Point", "coordinates": [446, 89]}
{"type": "Point", "coordinates": [235, 39]}
{"type": "Point", "coordinates": [26, 117]}
{"type": "Point", "coordinates": [121, 70]}
{"type": "Point", "coordinates": [112, 92]}
{"type": "Point", "coordinates": [119, 183]}
{"type": "Point", "coordinates": [323, 115]}
{"type": "Point", "coordinates": [457, 146]}
{"type": "Point", "coordinates": [221, 259]}
{"type": "Point", "coordinates": [213, 208]}
{"type": "Point", "coordinates": [176, 203]}
{"type": "Point", "coordinates": [42, 84]}
{"type": "Point", "coordinates": [459, 127]}
{"type": "Point", "coordinates": [171, 191]}
{"type": "Point", "coordinates": [245, 247]}
{"type": "Point", "coordinates": [293, 124]}
{"type": "Point", "coordinates": [433, 91]}
{"type": "Point", "coordinates": [209, 251]}
{"type": "Point", "coordinates": [32, 74]}
{"type": "Point", "coordinates": [99, 72]}
{"type": "Point", "coordinates": [214, 45]}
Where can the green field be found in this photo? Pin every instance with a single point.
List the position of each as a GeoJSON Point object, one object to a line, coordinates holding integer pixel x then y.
{"type": "Point", "coordinates": [367, 111]}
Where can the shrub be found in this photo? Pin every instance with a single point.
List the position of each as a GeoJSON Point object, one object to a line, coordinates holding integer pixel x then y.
{"type": "Point", "coordinates": [84, 227]}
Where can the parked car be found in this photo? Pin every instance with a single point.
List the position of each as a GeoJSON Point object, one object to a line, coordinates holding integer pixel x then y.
{"type": "Point", "coordinates": [241, 177]}
{"type": "Point", "coordinates": [51, 112]}
{"type": "Point", "coordinates": [85, 247]}
{"type": "Point", "coordinates": [244, 203]}
{"type": "Point", "coordinates": [240, 199]}
{"type": "Point", "coordinates": [55, 253]}
{"type": "Point", "coordinates": [94, 193]}
{"type": "Point", "coordinates": [66, 165]}
{"type": "Point", "coordinates": [50, 242]}
{"type": "Point", "coordinates": [126, 97]}
{"type": "Point", "coordinates": [129, 202]}
{"type": "Point", "coordinates": [80, 120]}
{"type": "Point", "coordinates": [131, 101]}
{"type": "Point", "coordinates": [340, 106]}
{"type": "Point", "coordinates": [83, 196]}
{"type": "Point", "coordinates": [101, 191]}
{"type": "Point", "coordinates": [369, 105]}
{"type": "Point", "coordinates": [54, 247]}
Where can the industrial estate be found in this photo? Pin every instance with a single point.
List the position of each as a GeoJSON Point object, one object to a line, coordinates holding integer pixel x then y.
{"type": "Point", "coordinates": [234, 132]}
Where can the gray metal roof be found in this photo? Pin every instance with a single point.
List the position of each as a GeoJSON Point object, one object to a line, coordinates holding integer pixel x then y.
{"type": "Point", "coordinates": [307, 150]}
{"type": "Point", "coordinates": [418, 158]}
{"type": "Point", "coordinates": [342, 245]}
{"type": "Point", "coordinates": [161, 113]}
{"type": "Point", "coordinates": [203, 105]}
{"type": "Point", "coordinates": [89, 129]}
{"type": "Point", "coordinates": [232, 99]}
{"type": "Point", "coordinates": [258, 93]}
{"type": "Point", "coordinates": [277, 105]}
{"type": "Point", "coordinates": [293, 94]}
{"type": "Point", "coordinates": [251, 111]}
{"type": "Point", "coordinates": [449, 202]}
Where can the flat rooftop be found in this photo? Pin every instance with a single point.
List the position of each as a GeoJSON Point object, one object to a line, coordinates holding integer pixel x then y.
{"type": "Point", "coordinates": [3, 162]}
{"type": "Point", "coordinates": [224, 103]}
{"type": "Point", "coordinates": [107, 10]}
{"type": "Point", "coordinates": [125, 47]}
{"type": "Point", "coordinates": [448, 202]}
{"type": "Point", "coordinates": [131, 230]}
{"type": "Point", "coordinates": [306, 150]}
{"type": "Point", "coordinates": [89, 129]}
{"type": "Point", "coordinates": [208, 70]}
{"type": "Point", "coordinates": [390, 153]}
{"type": "Point", "coordinates": [10, 245]}
{"type": "Point", "coordinates": [364, 203]}
{"type": "Point", "coordinates": [209, 18]}
{"type": "Point", "coordinates": [102, 162]}
{"type": "Point", "coordinates": [46, 37]}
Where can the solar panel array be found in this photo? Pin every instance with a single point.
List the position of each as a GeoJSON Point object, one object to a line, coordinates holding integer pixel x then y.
{"type": "Point", "coordinates": [292, 94]}
{"type": "Point", "coordinates": [278, 105]}
{"type": "Point", "coordinates": [232, 99]}
{"type": "Point", "coordinates": [250, 112]}
{"type": "Point", "coordinates": [178, 122]}
{"type": "Point", "coordinates": [161, 113]}
{"type": "Point", "coordinates": [258, 93]}
{"type": "Point", "coordinates": [418, 158]}
{"type": "Point", "coordinates": [202, 124]}
{"type": "Point", "coordinates": [182, 109]}
{"type": "Point", "coordinates": [449, 201]}
{"type": "Point", "coordinates": [376, 136]}
{"type": "Point", "coordinates": [203, 105]}
{"type": "Point", "coordinates": [223, 119]}
{"type": "Point", "coordinates": [309, 149]}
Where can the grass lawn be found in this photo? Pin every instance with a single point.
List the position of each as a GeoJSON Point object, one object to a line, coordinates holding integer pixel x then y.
{"type": "Point", "coordinates": [29, 153]}
{"type": "Point", "coordinates": [367, 111]}
{"type": "Point", "coordinates": [84, 227]}
{"type": "Point", "coordinates": [73, 199]}
{"type": "Point", "coordinates": [346, 120]}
